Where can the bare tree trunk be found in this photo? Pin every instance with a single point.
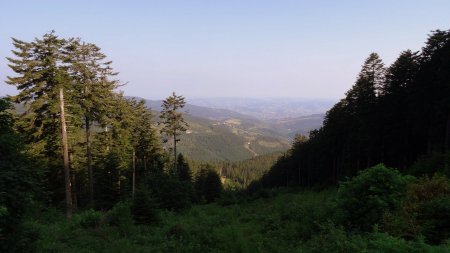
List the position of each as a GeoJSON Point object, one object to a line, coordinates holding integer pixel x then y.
{"type": "Point", "coordinates": [89, 161]}
{"type": "Point", "coordinates": [133, 183]}
{"type": "Point", "coordinates": [68, 185]}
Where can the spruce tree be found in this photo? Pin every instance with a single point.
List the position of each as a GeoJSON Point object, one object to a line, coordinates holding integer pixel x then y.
{"type": "Point", "coordinates": [93, 88]}
{"type": "Point", "coordinates": [42, 81]}
{"type": "Point", "coordinates": [361, 100]}
{"type": "Point", "coordinates": [172, 120]}
{"type": "Point", "coordinates": [144, 140]}
{"type": "Point", "coordinates": [184, 172]}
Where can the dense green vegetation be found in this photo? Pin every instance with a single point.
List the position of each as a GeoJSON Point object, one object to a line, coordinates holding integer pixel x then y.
{"type": "Point", "coordinates": [283, 220]}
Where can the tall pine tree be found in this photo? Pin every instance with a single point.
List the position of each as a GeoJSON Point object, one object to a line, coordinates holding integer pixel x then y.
{"type": "Point", "coordinates": [172, 120]}
{"type": "Point", "coordinates": [42, 81]}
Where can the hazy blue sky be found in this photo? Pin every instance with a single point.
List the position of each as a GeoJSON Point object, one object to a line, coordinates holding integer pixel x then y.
{"type": "Point", "coordinates": [230, 48]}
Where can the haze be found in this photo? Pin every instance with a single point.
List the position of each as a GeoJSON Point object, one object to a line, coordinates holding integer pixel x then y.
{"type": "Point", "coordinates": [257, 49]}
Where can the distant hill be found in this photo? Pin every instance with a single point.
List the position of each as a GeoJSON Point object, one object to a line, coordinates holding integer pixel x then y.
{"type": "Point", "coordinates": [223, 134]}
{"type": "Point", "coordinates": [202, 111]}
{"type": "Point", "coordinates": [229, 139]}
{"type": "Point", "coordinates": [297, 125]}
{"type": "Point", "coordinates": [268, 108]}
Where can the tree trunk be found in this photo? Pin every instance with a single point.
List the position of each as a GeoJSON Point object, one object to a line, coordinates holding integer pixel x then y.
{"type": "Point", "coordinates": [145, 164]}
{"type": "Point", "coordinates": [74, 183]}
{"type": "Point", "coordinates": [65, 145]}
{"type": "Point", "coordinates": [447, 141]}
{"type": "Point", "coordinates": [175, 150]}
{"type": "Point", "coordinates": [89, 161]}
{"type": "Point", "coordinates": [133, 183]}
{"type": "Point", "coordinates": [447, 134]}
{"type": "Point", "coordinates": [429, 140]}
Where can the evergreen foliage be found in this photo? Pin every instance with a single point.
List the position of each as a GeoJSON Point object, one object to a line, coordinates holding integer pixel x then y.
{"type": "Point", "coordinates": [104, 129]}
{"type": "Point", "coordinates": [19, 184]}
{"type": "Point", "coordinates": [391, 115]}
{"type": "Point", "coordinates": [144, 207]}
{"type": "Point", "coordinates": [207, 184]}
{"type": "Point", "coordinates": [172, 120]}
{"type": "Point", "coordinates": [184, 172]}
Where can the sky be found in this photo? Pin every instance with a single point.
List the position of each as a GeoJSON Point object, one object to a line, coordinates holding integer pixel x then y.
{"type": "Point", "coordinates": [232, 48]}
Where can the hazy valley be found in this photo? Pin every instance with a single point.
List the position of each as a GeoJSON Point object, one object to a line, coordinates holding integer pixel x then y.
{"type": "Point", "coordinates": [231, 129]}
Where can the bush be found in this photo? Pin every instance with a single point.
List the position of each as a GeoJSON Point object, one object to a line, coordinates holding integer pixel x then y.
{"type": "Point", "coordinates": [366, 197]}
{"type": "Point", "coordinates": [427, 189]}
{"type": "Point", "coordinates": [331, 239]}
{"type": "Point", "coordinates": [434, 216]}
{"type": "Point", "coordinates": [424, 212]}
{"type": "Point", "coordinates": [120, 216]}
{"type": "Point", "coordinates": [87, 219]}
{"type": "Point", "coordinates": [231, 197]}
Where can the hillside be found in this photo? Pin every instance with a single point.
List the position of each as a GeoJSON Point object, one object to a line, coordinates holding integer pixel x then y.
{"type": "Point", "coordinates": [202, 111]}
{"type": "Point", "coordinates": [229, 139]}
{"type": "Point", "coordinates": [297, 125]}
{"type": "Point", "coordinates": [225, 135]}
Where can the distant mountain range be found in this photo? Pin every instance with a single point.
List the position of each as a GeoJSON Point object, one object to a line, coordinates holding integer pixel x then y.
{"type": "Point", "coordinates": [245, 129]}
{"type": "Point", "coordinates": [268, 108]}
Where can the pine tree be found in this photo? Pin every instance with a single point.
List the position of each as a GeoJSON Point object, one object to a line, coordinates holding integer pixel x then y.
{"type": "Point", "coordinates": [92, 88]}
{"type": "Point", "coordinates": [361, 100]}
{"type": "Point", "coordinates": [398, 113]}
{"type": "Point", "coordinates": [184, 172]}
{"type": "Point", "coordinates": [172, 120]}
{"type": "Point", "coordinates": [208, 185]}
{"type": "Point", "coordinates": [42, 80]}
{"type": "Point", "coordinates": [144, 140]}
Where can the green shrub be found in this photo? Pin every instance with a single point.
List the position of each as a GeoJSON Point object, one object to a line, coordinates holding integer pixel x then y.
{"type": "Point", "coordinates": [177, 231]}
{"type": "Point", "coordinates": [120, 216]}
{"type": "Point", "coordinates": [366, 197]}
{"type": "Point", "coordinates": [331, 239]}
{"type": "Point", "coordinates": [231, 197]}
{"type": "Point", "coordinates": [424, 212]}
{"type": "Point", "coordinates": [426, 189]}
{"type": "Point", "coordinates": [87, 219]}
{"type": "Point", "coordinates": [434, 217]}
